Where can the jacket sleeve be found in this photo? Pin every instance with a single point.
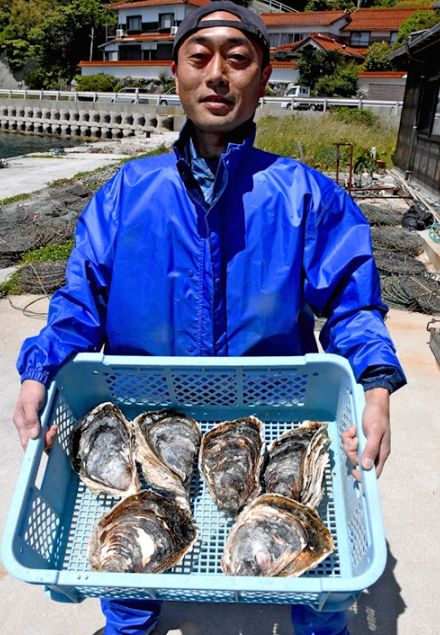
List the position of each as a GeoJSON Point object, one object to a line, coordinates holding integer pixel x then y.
{"type": "Point", "coordinates": [342, 283]}
{"type": "Point", "coordinates": [77, 312]}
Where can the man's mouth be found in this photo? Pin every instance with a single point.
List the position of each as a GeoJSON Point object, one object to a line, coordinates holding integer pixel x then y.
{"type": "Point", "coordinates": [218, 99]}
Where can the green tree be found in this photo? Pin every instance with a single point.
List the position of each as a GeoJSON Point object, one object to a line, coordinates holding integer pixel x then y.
{"type": "Point", "coordinates": [62, 39]}
{"type": "Point", "coordinates": [416, 22]}
{"type": "Point", "coordinates": [314, 64]}
{"type": "Point", "coordinates": [328, 5]}
{"type": "Point", "coordinates": [342, 83]}
{"type": "Point", "coordinates": [377, 57]}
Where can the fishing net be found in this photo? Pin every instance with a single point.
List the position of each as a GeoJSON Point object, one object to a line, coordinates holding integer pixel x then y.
{"type": "Point", "coordinates": [21, 231]}
{"type": "Point", "coordinates": [379, 216]}
{"type": "Point", "coordinates": [42, 277]}
{"type": "Point", "coordinates": [397, 239]}
{"type": "Point", "coordinates": [394, 263]}
{"type": "Point", "coordinates": [417, 292]}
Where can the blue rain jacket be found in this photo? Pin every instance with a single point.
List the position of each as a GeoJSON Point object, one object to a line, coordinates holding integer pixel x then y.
{"type": "Point", "coordinates": [156, 271]}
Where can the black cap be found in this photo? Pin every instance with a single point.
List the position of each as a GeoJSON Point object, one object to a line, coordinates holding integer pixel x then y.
{"type": "Point", "coordinates": [250, 23]}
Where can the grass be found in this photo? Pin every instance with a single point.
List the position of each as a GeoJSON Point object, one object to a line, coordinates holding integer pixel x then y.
{"type": "Point", "coordinates": [312, 140]}
{"type": "Point", "coordinates": [15, 199]}
{"type": "Point", "coordinates": [48, 253]}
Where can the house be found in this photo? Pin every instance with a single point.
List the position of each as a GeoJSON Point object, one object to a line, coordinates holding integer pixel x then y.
{"type": "Point", "coordinates": [287, 28]}
{"type": "Point", "coordinates": [418, 143]}
{"type": "Point", "coordinates": [141, 46]}
{"type": "Point", "coordinates": [320, 42]}
{"type": "Point", "coordinates": [367, 26]}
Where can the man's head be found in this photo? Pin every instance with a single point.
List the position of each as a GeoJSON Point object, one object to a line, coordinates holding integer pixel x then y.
{"type": "Point", "coordinates": [221, 65]}
{"type": "Point", "coordinates": [249, 23]}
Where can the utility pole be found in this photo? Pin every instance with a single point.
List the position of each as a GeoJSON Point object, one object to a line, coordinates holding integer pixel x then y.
{"type": "Point", "coordinates": [92, 37]}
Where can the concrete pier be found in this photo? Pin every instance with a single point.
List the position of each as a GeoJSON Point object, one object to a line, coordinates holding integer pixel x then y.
{"type": "Point", "coordinates": [91, 120]}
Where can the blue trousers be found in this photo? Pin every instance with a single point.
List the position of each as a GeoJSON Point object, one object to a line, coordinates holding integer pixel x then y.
{"type": "Point", "coordinates": [139, 617]}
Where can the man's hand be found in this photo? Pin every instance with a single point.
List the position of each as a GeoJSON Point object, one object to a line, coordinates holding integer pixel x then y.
{"type": "Point", "coordinates": [29, 403]}
{"type": "Point", "coordinates": [376, 427]}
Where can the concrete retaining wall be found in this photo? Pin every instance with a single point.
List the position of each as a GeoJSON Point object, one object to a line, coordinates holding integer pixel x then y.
{"type": "Point", "coordinates": [92, 120]}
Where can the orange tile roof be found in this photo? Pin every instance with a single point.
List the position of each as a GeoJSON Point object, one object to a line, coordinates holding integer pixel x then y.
{"type": "Point", "coordinates": [305, 18]}
{"type": "Point", "coordinates": [384, 74]}
{"type": "Point", "coordinates": [152, 3]}
{"type": "Point", "coordinates": [142, 37]}
{"type": "Point", "coordinates": [283, 64]}
{"type": "Point", "coordinates": [380, 19]}
{"type": "Point", "coordinates": [127, 63]}
{"type": "Point", "coordinates": [327, 43]}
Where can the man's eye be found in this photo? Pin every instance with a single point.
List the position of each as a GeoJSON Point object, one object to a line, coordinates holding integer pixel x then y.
{"type": "Point", "coordinates": [198, 56]}
{"type": "Point", "coordinates": [238, 57]}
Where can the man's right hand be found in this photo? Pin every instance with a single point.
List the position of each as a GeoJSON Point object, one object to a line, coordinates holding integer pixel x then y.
{"type": "Point", "coordinates": [26, 415]}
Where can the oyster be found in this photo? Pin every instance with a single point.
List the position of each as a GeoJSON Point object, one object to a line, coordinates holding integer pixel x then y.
{"type": "Point", "coordinates": [167, 445]}
{"type": "Point", "coordinates": [102, 452]}
{"type": "Point", "coordinates": [276, 536]}
{"type": "Point", "coordinates": [144, 533]}
{"type": "Point", "coordinates": [296, 464]}
{"type": "Point", "coordinates": [230, 461]}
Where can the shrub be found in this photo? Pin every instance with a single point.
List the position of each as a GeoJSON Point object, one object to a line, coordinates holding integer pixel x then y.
{"type": "Point", "coordinates": [355, 115]}
{"type": "Point", "coordinates": [99, 83]}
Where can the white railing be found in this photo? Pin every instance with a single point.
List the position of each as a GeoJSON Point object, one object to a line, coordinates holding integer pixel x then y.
{"type": "Point", "coordinates": [278, 6]}
{"type": "Point", "coordinates": [321, 103]}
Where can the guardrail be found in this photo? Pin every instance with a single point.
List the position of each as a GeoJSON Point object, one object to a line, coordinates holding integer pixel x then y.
{"type": "Point", "coordinates": [324, 103]}
{"type": "Point", "coordinates": [296, 103]}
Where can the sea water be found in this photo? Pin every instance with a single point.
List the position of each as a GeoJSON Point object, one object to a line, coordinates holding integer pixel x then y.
{"type": "Point", "coordinates": [13, 144]}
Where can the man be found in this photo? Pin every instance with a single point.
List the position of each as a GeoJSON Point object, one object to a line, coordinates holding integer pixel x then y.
{"type": "Point", "coordinates": [219, 249]}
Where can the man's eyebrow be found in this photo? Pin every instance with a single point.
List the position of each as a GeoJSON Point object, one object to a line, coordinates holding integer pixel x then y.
{"type": "Point", "coordinates": [203, 39]}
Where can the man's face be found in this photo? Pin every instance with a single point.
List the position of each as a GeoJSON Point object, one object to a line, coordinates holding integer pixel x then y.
{"type": "Point", "coordinates": [219, 77]}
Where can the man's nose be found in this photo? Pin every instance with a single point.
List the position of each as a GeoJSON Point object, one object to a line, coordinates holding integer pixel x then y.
{"type": "Point", "coordinates": [216, 70]}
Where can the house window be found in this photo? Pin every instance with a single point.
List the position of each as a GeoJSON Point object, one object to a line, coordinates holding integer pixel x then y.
{"type": "Point", "coordinates": [429, 118]}
{"type": "Point", "coordinates": [436, 119]}
{"type": "Point", "coordinates": [134, 23]}
{"type": "Point", "coordinates": [166, 20]}
{"type": "Point", "coordinates": [111, 56]}
{"type": "Point", "coordinates": [274, 39]}
{"type": "Point", "coordinates": [286, 38]}
{"type": "Point", "coordinates": [130, 52]}
{"type": "Point", "coordinates": [393, 37]}
{"type": "Point", "coordinates": [360, 38]}
{"type": "Point", "coordinates": [298, 37]}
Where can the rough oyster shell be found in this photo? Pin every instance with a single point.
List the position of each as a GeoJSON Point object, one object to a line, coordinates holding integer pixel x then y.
{"type": "Point", "coordinates": [167, 446]}
{"type": "Point", "coordinates": [230, 461]}
{"type": "Point", "coordinates": [101, 448]}
{"type": "Point", "coordinates": [276, 536]}
{"type": "Point", "coordinates": [296, 464]}
{"type": "Point", "coordinates": [144, 533]}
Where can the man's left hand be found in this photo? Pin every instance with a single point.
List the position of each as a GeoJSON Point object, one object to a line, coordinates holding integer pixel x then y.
{"type": "Point", "coordinates": [376, 427]}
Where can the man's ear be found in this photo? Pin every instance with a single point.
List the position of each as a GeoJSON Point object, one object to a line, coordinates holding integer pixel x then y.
{"type": "Point", "coordinates": [174, 72]}
{"type": "Point", "coordinates": [265, 75]}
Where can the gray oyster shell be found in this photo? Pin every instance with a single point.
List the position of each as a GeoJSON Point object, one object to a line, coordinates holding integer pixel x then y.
{"type": "Point", "coordinates": [101, 448]}
{"type": "Point", "coordinates": [276, 536]}
{"type": "Point", "coordinates": [167, 444]}
{"type": "Point", "coordinates": [296, 464]}
{"type": "Point", "coordinates": [230, 462]}
{"type": "Point", "coordinates": [144, 533]}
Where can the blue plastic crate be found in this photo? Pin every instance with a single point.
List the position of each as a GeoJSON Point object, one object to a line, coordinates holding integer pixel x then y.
{"type": "Point", "coordinates": [52, 513]}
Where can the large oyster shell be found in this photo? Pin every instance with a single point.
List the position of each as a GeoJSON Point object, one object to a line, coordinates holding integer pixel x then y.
{"type": "Point", "coordinates": [230, 461]}
{"type": "Point", "coordinates": [101, 448]}
{"type": "Point", "coordinates": [296, 464]}
{"type": "Point", "coordinates": [276, 536]}
{"type": "Point", "coordinates": [144, 533]}
{"type": "Point", "coordinates": [167, 445]}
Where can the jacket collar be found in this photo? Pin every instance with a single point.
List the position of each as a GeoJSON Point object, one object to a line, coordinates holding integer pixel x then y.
{"type": "Point", "coordinates": [240, 142]}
